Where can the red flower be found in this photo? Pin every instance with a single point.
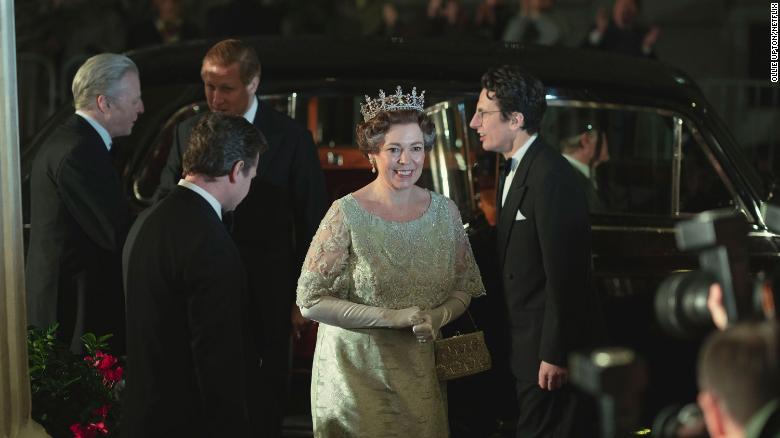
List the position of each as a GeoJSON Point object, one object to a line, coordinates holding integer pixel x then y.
{"type": "Point", "coordinates": [89, 431]}
{"type": "Point", "coordinates": [98, 427]}
{"type": "Point", "coordinates": [103, 361]}
{"type": "Point", "coordinates": [105, 364]}
{"type": "Point", "coordinates": [112, 376]}
{"type": "Point", "coordinates": [80, 431]}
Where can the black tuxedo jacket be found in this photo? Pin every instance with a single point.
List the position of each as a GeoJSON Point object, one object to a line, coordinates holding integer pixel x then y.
{"type": "Point", "coordinates": [79, 219]}
{"type": "Point", "coordinates": [591, 195]}
{"type": "Point", "coordinates": [545, 262]}
{"type": "Point", "coordinates": [186, 345]}
{"type": "Point", "coordinates": [275, 223]}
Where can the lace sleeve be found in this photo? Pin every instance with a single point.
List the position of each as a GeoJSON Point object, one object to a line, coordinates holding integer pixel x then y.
{"type": "Point", "coordinates": [467, 277]}
{"type": "Point", "coordinates": [326, 260]}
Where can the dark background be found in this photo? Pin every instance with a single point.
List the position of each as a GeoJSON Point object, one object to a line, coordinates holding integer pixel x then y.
{"type": "Point", "coordinates": [722, 44]}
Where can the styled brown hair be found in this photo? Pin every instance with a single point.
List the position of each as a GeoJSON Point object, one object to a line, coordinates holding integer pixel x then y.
{"type": "Point", "coordinates": [227, 52]}
{"type": "Point", "coordinates": [740, 366]}
{"type": "Point", "coordinates": [371, 133]}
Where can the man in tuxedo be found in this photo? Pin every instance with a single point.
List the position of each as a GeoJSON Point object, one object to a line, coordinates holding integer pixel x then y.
{"type": "Point", "coordinates": [79, 213]}
{"type": "Point", "coordinates": [585, 152]}
{"type": "Point", "coordinates": [543, 242]}
{"type": "Point", "coordinates": [275, 224]}
{"type": "Point", "coordinates": [188, 343]}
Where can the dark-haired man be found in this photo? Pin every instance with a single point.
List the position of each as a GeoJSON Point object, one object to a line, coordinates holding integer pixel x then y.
{"type": "Point", "coordinates": [543, 244]}
{"type": "Point", "coordinates": [275, 224]}
{"type": "Point", "coordinates": [187, 340]}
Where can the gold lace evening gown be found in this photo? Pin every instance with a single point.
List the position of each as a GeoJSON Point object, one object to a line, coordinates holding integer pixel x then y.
{"type": "Point", "coordinates": [379, 382]}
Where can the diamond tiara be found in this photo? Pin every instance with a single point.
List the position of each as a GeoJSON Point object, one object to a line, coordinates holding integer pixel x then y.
{"type": "Point", "coordinates": [393, 102]}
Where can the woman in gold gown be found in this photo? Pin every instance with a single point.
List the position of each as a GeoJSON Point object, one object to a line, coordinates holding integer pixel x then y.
{"type": "Point", "coordinates": [389, 265]}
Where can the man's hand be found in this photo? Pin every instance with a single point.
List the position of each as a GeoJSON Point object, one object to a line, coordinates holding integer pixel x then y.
{"type": "Point", "coordinates": [650, 38]}
{"type": "Point", "coordinates": [716, 308]}
{"type": "Point", "coordinates": [551, 376]}
{"type": "Point", "coordinates": [299, 323]}
{"type": "Point", "coordinates": [602, 20]}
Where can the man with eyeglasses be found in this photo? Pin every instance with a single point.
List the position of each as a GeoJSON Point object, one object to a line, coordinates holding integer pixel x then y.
{"type": "Point", "coordinates": [543, 243]}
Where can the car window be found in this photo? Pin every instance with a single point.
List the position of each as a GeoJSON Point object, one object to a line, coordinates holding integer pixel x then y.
{"type": "Point", "coordinates": [146, 178]}
{"type": "Point", "coordinates": [701, 188]}
{"type": "Point", "coordinates": [629, 170]}
{"type": "Point", "coordinates": [331, 119]}
{"type": "Point", "coordinates": [452, 155]}
{"type": "Point", "coordinates": [626, 159]}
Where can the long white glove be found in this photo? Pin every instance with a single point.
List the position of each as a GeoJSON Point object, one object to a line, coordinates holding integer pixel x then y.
{"type": "Point", "coordinates": [346, 314]}
{"type": "Point", "coordinates": [428, 323]}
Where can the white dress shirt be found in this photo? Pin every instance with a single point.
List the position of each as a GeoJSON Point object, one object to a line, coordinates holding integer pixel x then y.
{"type": "Point", "coordinates": [250, 114]}
{"type": "Point", "coordinates": [98, 127]}
{"type": "Point", "coordinates": [515, 164]}
{"type": "Point", "coordinates": [203, 193]}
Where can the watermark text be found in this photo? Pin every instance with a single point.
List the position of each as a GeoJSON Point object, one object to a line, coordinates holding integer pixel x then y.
{"type": "Point", "coordinates": [773, 43]}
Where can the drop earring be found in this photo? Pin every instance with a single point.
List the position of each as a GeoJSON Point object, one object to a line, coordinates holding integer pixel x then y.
{"type": "Point", "coordinates": [373, 165]}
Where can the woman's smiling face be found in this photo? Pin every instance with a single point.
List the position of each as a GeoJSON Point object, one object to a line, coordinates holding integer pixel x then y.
{"type": "Point", "coordinates": [399, 161]}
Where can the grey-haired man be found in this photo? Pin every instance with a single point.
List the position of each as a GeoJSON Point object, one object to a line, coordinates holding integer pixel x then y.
{"type": "Point", "coordinates": [79, 215]}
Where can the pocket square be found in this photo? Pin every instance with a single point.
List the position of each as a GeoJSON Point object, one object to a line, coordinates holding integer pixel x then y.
{"type": "Point", "coordinates": [519, 216]}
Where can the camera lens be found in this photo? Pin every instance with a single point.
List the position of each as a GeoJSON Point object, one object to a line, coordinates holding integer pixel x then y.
{"type": "Point", "coordinates": [681, 304]}
{"type": "Point", "coordinates": [679, 421]}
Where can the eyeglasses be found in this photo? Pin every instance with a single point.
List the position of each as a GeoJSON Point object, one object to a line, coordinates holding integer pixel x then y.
{"type": "Point", "coordinates": [481, 114]}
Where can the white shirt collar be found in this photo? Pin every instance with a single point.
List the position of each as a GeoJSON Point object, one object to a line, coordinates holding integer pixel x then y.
{"type": "Point", "coordinates": [582, 167]}
{"type": "Point", "coordinates": [250, 114]}
{"type": "Point", "coordinates": [521, 152]}
{"type": "Point", "coordinates": [203, 193]}
{"type": "Point", "coordinates": [515, 163]}
{"type": "Point", "coordinates": [98, 127]}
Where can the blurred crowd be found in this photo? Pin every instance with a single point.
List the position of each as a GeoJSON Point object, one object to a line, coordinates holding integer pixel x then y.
{"type": "Point", "coordinates": [64, 28]}
{"type": "Point", "coordinates": [54, 37]}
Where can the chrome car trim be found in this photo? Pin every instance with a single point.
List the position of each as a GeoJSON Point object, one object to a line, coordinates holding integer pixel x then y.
{"type": "Point", "coordinates": [657, 230]}
{"type": "Point", "coordinates": [763, 234]}
{"type": "Point", "coordinates": [676, 166]}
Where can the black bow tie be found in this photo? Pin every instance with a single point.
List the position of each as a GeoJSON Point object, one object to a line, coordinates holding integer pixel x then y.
{"type": "Point", "coordinates": [507, 166]}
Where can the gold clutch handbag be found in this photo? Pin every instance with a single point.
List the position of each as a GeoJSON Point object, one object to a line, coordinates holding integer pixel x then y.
{"type": "Point", "coordinates": [462, 355]}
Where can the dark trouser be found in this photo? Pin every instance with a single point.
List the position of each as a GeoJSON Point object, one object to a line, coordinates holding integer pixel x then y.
{"type": "Point", "coordinates": [91, 301]}
{"type": "Point", "coordinates": [555, 414]}
{"type": "Point", "coordinates": [274, 379]}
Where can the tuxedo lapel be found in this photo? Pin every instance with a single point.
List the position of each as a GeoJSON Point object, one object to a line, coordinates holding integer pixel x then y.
{"type": "Point", "coordinates": [265, 124]}
{"type": "Point", "coordinates": [500, 191]}
{"type": "Point", "coordinates": [515, 196]}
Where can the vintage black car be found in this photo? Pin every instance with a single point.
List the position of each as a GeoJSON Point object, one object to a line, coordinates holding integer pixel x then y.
{"type": "Point", "coordinates": [670, 157]}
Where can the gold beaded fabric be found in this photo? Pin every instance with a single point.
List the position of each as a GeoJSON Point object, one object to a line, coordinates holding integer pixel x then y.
{"type": "Point", "coordinates": [381, 382]}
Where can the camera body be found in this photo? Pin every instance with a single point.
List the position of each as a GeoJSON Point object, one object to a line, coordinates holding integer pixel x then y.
{"type": "Point", "coordinates": [719, 237]}
{"type": "Point", "coordinates": [616, 377]}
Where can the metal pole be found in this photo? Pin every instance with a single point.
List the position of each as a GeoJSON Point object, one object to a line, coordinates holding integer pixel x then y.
{"type": "Point", "coordinates": [15, 419]}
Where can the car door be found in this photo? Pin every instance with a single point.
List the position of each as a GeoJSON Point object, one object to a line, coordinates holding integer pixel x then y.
{"type": "Point", "coordinates": [659, 170]}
